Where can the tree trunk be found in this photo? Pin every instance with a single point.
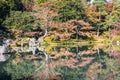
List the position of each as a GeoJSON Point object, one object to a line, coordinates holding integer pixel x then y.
{"type": "Point", "coordinates": [98, 31]}
{"type": "Point", "coordinates": [98, 52]}
{"type": "Point", "coordinates": [45, 34]}
{"type": "Point", "coordinates": [76, 33]}
{"type": "Point", "coordinates": [109, 32]}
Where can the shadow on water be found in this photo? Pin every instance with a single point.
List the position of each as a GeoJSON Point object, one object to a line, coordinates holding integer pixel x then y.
{"type": "Point", "coordinates": [77, 62]}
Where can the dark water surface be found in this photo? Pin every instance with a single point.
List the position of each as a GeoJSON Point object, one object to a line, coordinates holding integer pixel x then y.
{"type": "Point", "coordinates": [63, 62]}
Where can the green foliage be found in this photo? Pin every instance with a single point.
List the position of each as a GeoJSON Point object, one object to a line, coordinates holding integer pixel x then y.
{"type": "Point", "coordinates": [99, 16]}
{"type": "Point", "coordinates": [15, 4]}
{"type": "Point", "coordinates": [113, 17]}
{"type": "Point", "coordinates": [20, 70]}
{"type": "Point", "coordinates": [4, 10]}
{"type": "Point", "coordinates": [96, 17]}
{"type": "Point", "coordinates": [40, 1]}
{"type": "Point", "coordinates": [70, 9]}
{"type": "Point", "coordinates": [71, 74]}
{"type": "Point", "coordinates": [117, 0]}
{"type": "Point", "coordinates": [7, 5]}
{"type": "Point", "coordinates": [19, 20]}
{"type": "Point", "coordinates": [27, 5]}
{"type": "Point", "coordinates": [111, 66]}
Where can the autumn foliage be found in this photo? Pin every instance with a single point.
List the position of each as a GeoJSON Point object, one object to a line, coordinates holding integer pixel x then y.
{"type": "Point", "coordinates": [115, 29]}
{"type": "Point", "coordinates": [109, 7]}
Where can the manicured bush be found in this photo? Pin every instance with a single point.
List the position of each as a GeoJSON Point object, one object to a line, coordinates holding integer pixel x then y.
{"type": "Point", "coordinates": [19, 20]}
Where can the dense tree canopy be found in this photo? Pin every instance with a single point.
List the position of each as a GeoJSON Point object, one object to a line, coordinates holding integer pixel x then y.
{"type": "Point", "coordinates": [19, 14]}
{"type": "Point", "coordinates": [70, 9]}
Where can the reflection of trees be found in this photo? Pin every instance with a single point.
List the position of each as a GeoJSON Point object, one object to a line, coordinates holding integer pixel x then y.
{"type": "Point", "coordinates": [71, 62]}
{"type": "Point", "coordinates": [71, 74]}
{"type": "Point", "coordinates": [72, 67]}
{"type": "Point", "coordinates": [113, 63]}
{"type": "Point", "coordinates": [110, 69]}
{"type": "Point", "coordinates": [115, 54]}
{"type": "Point", "coordinates": [64, 57]}
{"type": "Point", "coordinates": [71, 56]}
{"type": "Point", "coordinates": [94, 63]}
{"type": "Point", "coordinates": [93, 71]}
{"type": "Point", "coordinates": [3, 75]}
{"type": "Point", "coordinates": [19, 70]}
{"type": "Point", "coordinates": [23, 65]}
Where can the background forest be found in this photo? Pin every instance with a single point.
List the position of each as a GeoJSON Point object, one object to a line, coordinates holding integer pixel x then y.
{"type": "Point", "coordinates": [61, 20]}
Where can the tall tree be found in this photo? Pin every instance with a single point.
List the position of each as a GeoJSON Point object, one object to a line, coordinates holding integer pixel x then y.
{"type": "Point", "coordinates": [113, 10]}
{"type": "Point", "coordinates": [70, 9]}
{"type": "Point", "coordinates": [96, 14]}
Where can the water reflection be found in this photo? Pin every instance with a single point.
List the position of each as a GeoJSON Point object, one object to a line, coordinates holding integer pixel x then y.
{"type": "Point", "coordinates": [63, 62]}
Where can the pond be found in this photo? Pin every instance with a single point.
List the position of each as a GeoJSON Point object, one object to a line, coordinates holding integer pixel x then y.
{"type": "Point", "coordinates": [62, 62]}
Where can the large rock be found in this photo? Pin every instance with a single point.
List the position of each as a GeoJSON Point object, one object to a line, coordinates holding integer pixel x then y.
{"type": "Point", "coordinates": [4, 57]}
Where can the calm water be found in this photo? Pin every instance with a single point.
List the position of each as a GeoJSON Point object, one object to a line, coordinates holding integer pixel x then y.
{"type": "Point", "coordinates": [62, 62]}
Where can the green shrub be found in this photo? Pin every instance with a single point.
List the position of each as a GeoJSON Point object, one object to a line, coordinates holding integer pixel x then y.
{"type": "Point", "coordinates": [4, 10]}
{"type": "Point", "coordinates": [19, 20]}
{"type": "Point", "coordinates": [7, 5]}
